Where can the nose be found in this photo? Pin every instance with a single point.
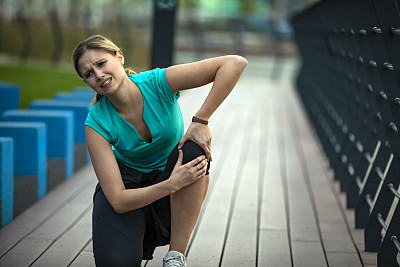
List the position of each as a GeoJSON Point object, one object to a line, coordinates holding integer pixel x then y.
{"type": "Point", "coordinates": [98, 74]}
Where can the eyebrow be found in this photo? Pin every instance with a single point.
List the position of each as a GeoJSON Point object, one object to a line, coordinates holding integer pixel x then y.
{"type": "Point", "coordinates": [85, 71]}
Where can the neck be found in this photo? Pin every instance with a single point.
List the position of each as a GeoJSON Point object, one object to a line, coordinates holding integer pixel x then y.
{"type": "Point", "coordinates": [127, 98]}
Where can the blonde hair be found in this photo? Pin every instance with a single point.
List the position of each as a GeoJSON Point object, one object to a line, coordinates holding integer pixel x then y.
{"type": "Point", "coordinates": [95, 42]}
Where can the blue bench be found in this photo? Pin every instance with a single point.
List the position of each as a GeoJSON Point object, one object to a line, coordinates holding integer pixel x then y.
{"type": "Point", "coordinates": [6, 180]}
{"type": "Point", "coordinates": [10, 96]}
{"type": "Point", "coordinates": [80, 110]}
{"type": "Point", "coordinates": [60, 145]}
{"type": "Point", "coordinates": [30, 175]}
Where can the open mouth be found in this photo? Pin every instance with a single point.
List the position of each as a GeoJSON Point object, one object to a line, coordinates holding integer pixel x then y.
{"type": "Point", "coordinates": [105, 83]}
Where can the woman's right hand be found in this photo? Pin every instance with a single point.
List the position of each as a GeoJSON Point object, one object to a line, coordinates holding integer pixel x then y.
{"type": "Point", "coordinates": [186, 174]}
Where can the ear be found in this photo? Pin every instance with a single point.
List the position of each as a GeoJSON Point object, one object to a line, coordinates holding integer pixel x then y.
{"type": "Point", "coordinates": [120, 57]}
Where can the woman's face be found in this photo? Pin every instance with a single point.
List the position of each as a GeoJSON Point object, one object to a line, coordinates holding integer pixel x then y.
{"type": "Point", "coordinates": [102, 71]}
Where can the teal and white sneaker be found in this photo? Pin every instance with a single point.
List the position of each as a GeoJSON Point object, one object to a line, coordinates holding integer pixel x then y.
{"type": "Point", "coordinates": [174, 259]}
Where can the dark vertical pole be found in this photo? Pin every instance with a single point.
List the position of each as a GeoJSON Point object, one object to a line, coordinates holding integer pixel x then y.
{"type": "Point", "coordinates": [57, 33]}
{"type": "Point", "coordinates": [23, 22]}
{"type": "Point", "coordinates": [163, 33]}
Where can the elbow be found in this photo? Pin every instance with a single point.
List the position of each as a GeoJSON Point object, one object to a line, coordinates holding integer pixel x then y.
{"type": "Point", "coordinates": [119, 210]}
{"type": "Point", "coordinates": [240, 62]}
{"type": "Point", "coordinates": [118, 206]}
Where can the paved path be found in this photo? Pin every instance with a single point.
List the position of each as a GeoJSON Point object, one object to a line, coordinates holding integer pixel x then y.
{"type": "Point", "coordinates": [271, 202]}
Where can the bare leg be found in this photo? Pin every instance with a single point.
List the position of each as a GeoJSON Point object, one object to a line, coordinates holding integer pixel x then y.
{"type": "Point", "coordinates": [185, 208]}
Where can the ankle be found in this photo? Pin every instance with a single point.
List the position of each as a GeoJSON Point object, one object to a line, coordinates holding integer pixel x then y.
{"type": "Point", "coordinates": [173, 252]}
{"type": "Point", "coordinates": [178, 246]}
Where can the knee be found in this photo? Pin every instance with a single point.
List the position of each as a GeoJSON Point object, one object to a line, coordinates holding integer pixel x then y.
{"type": "Point", "coordinates": [191, 151]}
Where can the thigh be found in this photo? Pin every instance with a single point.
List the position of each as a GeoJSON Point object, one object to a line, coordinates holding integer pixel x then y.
{"type": "Point", "coordinates": [117, 238]}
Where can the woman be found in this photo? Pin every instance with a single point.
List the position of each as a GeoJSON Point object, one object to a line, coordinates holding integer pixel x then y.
{"type": "Point", "coordinates": [152, 177]}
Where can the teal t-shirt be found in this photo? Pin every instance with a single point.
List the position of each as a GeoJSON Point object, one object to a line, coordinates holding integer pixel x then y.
{"type": "Point", "coordinates": [161, 113]}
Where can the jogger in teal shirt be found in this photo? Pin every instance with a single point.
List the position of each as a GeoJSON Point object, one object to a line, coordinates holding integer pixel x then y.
{"type": "Point", "coordinates": [153, 177]}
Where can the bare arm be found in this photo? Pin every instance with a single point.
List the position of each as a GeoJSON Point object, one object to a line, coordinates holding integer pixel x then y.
{"type": "Point", "coordinates": [123, 200]}
{"type": "Point", "coordinates": [224, 72]}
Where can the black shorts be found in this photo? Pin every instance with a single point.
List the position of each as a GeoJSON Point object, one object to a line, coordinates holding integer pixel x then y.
{"type": "Point", "coordinates": [132, 236]}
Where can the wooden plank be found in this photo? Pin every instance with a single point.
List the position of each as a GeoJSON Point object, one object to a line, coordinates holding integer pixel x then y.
{"type": "Point", "coordinates": [85, 258]}
{"type": "Point", "coordinates": [302, 221]}
{"type": "Point", "coordinates": [273, 213]}
{"type": "Point", "coordinates": [32, 218]}
{"type": "Point", "coordinates": [304, 232]}
{"type": "Point", "coordinates": [89, 247]}
{"type": "Point", "coordinates": [63, 218]}
{"type": "Point", "coordinates": [66, 248]}
{"type": "Point", "coordinates": [25, 252]}
{"type": "Point", "coordinates": [308, 253]}
{"type": "Point", "coordinates": [241, 243]}
{"type": "Point", "coordinates": [55, 226]}
{"type": "Point", "coordinates": [340, 259]}
{"type": "Point", "coordinates": [274, 248]}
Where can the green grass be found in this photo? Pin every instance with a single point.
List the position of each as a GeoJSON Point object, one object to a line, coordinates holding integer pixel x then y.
{"type": "Point", "coordinates": [39, 82]}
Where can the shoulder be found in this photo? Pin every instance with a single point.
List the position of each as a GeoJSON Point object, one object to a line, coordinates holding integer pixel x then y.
{"type": "Point", "coordinates": [100, 119]}
{"type": "Point", "coordinates": [100, 106]}
{"type": "Point", "coordinates": [154, 82]}
{"type": "Point", "coordinates": [100, 113]}
{"type": "Point", "coordinates": [147, 76]}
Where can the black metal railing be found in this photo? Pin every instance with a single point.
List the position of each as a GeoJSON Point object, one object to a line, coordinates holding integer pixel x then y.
{"type": "Point", "coordinates": [349, 83]}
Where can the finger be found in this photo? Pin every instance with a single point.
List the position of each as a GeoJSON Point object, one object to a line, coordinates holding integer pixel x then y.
{"type": "Point", "coordinates": [208, 152]}
{"type": "Point", "coordinates": [180, 158]}
{"type": "Point", "coordinates": [205, 166]}
{"type": "Point", "coordinates": [195, 161]}
{"type": "Point", "coordinates": [203, 171]}
{"type": "Point", "coordinates": [201, 165]}
{"type": "Point", "coordinates": [182, 142]}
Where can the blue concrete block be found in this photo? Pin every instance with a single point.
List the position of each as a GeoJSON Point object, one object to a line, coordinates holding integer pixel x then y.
{"type": "Point", "coordinates": [80, 110]}
{"type": "Point", "coordinates": [82, 89]}
{"type": "Point", "coordinates": [29, 150]}
{"type": "Point", "coordinates": [87, 94]}
{"type": "Point", "coordinates": [10, 96]}
{"type": "Point", "coordinates": [7, 179]}
{"type": "Point", "coordinates": [60, 132]}
{"type": "Point", "coordinates": [85, 97]}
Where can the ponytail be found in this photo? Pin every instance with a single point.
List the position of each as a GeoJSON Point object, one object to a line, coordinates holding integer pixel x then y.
{"type": "Point", "coordinates": [129, 71]}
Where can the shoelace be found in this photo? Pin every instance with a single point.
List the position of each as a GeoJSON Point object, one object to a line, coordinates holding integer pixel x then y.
{"type": "Point", "coordinates": [175, 261]}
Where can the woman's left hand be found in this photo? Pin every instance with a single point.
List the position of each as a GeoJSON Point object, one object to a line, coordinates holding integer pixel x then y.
{"type": "Point", "coordinates": [201, 135]}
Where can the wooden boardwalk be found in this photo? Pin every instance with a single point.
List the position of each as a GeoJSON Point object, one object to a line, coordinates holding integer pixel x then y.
{"type": "Point", "coordinates": [272, 200]}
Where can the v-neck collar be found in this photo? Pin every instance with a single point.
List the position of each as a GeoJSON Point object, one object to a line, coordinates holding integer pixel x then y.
{"type": "Point", "coordinates": [144, 113]}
